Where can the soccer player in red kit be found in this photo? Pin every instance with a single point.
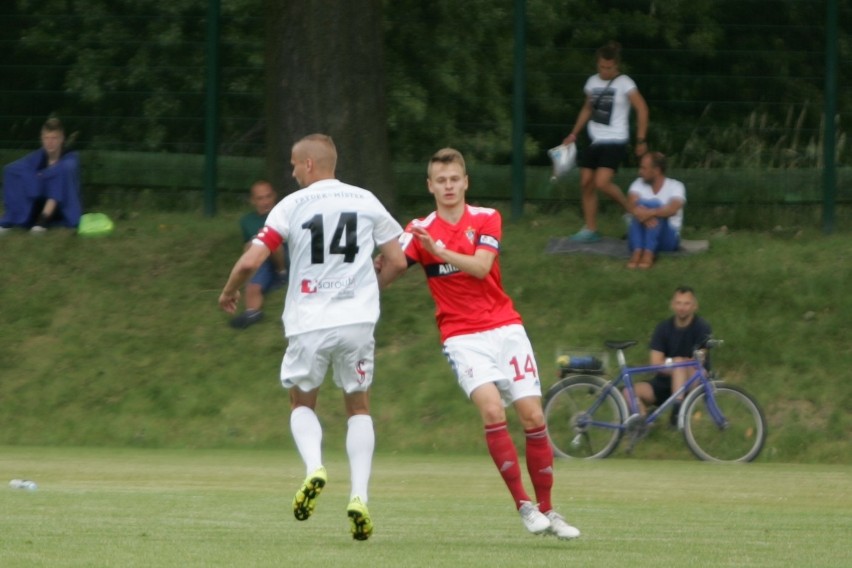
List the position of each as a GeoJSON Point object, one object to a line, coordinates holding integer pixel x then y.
{"type": "Point", "coordinates": [483, 335]}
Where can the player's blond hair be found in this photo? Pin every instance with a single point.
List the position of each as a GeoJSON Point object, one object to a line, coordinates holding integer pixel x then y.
{"type": "Point", "coordinates": [446, 156]}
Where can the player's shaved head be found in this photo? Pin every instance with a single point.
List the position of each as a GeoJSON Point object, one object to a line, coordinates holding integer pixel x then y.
{"type": "Point", "coordinates": [313, 158]}
{"type": "Point", "coordinates": [320, 149]}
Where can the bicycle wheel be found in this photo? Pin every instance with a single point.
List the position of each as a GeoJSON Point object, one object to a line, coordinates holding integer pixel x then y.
{"type": "Point", "coordinates": [739, 439]}
{"type": "Point", "coordinates": [581, 421]}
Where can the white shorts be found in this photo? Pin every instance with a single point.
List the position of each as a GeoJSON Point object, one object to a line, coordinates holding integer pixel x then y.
{"type": "Point", "coordinates": [503, 356]}
{"type": "Point", "coordinates": [348, 349]}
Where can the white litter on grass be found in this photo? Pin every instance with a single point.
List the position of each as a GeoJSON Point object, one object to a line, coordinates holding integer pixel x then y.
{"type": "Point", "coordinates": [23, 484]}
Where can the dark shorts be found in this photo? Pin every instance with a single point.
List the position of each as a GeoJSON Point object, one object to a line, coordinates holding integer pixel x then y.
{"type": "Point", "coordinates": [266, 277]}
{"type": "Point", "coordinates": [603, 155]}
{"type": "Point", "coordinates": [662, 385]}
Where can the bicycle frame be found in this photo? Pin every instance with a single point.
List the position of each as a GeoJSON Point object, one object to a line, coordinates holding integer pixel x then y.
{"type": "Point", "coordinates": [587, 414]}
{"type": "Point", "coordinates": [625, 377]}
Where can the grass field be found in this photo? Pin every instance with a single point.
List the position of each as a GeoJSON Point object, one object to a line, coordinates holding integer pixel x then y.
{"type": "Point", "coordinates": [144, 507]}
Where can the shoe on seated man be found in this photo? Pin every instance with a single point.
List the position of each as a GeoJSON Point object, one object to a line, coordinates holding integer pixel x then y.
{"type": "Point", "coordinates": [647, 260]}
{"type": "Point", "coordinates": [635, 259]}
{"type": "Point", "coordinates": [585, 235]}
{"type": "Point", "coordinates": [247, 318]}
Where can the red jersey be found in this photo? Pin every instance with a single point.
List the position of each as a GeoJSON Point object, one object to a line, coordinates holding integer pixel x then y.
{"type": "Point", "coordinates": [464, 304]}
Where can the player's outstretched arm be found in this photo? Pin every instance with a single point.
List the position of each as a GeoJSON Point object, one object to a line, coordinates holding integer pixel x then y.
{"type": "Point", "coordinates": [244, 268]}
{"type": "Point", "coordinates": [390, 264]}
{"type": "Point", "coordinates": [477, 265]}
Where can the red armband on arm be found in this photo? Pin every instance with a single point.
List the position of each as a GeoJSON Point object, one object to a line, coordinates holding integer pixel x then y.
{"type": "Point", "coordinates": [268, 237]}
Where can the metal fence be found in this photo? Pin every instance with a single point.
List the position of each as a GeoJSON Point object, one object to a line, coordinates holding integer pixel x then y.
{"type": "Point", "coordinates": [774, 148]}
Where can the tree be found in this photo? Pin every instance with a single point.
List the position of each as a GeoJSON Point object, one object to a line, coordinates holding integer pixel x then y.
{"type": "Point", "coordinates": [131, 75]}
{"type": "Point", "coordinates": [325, 73]}
{"type": "Point", "coordinates": [450, 78]}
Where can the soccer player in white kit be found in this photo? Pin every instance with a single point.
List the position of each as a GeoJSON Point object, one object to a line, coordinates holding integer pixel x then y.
{"type": "Point", "coordinates": [330, 311]}
{"type": "Point", "coordinates": [483, 335]}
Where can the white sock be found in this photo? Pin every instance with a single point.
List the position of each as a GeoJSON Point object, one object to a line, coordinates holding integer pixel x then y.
{"type": "Point", "coordinates": [307, 432]}
{"type": "Point", "coordinates": [360, 443]}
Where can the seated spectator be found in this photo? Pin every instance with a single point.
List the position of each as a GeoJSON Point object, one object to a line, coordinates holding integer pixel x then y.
{"type": "Point", "coordinates": [657, 204]}
{"type": "Point", "coordinates": [272, 274]}
{"type": "Point", "coordinates": [42, 189]}
{"type": "Point", "coordinates": [674, 339]}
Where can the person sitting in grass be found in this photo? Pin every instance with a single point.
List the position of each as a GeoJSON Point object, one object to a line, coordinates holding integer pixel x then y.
{"type": "Point", "coordinates": [657, 204]}
{"type": "Point", "coordinates": [272, 274]}
{"type": "Point", "coordinates": [42, 189]}
{"type": "Point", "coordinates": [674, 339]}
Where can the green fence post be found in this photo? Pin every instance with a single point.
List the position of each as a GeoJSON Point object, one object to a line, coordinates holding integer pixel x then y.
{"type": "Point", "coordinates": [829, 173]}
{"type": "Point", "coordinates": [211, 107]}
{"type": "Point", "coordinates": [518, 123]}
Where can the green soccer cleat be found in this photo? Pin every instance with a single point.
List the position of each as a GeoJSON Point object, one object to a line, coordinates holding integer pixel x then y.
{"type": "Point", "coordinates": [306, 496]}
{"type": "Point", "coordinates": [359, 518]}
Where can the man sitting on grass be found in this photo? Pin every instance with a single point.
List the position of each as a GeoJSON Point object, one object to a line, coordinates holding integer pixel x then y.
{"type": "Point", "coordinates": [272, 274]}
{"type": "Point", "coordinates": [42, 189]}
{"type": "Point", "coordinates": [657, 204]}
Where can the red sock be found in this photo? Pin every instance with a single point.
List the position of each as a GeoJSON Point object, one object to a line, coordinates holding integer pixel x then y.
{"type": "Point", "coordinates": [540, 466]}
{"type": "Point", "coordinates": [505, 457]}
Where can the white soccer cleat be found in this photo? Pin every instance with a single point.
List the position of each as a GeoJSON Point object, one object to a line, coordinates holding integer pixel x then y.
{"type": "Point", "coordinates": [533, 519]}
{"type": "Point", "coordinates": [559, 528]}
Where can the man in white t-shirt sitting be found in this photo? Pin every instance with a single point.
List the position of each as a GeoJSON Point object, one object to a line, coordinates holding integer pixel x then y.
{"type": "Point", "coordinates": [657, 203]}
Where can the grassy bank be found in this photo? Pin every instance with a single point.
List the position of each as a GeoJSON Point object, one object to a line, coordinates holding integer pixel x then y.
{"type": "Point", "coordinates": [118, 341]}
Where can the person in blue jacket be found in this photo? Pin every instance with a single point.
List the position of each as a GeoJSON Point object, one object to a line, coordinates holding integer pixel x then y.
{"type": "Point", "coordinates": [42, 189]}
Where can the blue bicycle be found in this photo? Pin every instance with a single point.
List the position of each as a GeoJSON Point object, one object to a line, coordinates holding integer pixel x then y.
{"type": "Point", "coordinates": [587, 415]}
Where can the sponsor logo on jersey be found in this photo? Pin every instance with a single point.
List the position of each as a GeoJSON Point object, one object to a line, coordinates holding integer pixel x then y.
{"type": "Point", "coordinates": [439, 269]}
{"type": "Point", "coordinates": [338, 285]}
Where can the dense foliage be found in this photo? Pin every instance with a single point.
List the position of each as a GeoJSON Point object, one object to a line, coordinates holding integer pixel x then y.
{"type": "Point", "coordinates": [728, 81]}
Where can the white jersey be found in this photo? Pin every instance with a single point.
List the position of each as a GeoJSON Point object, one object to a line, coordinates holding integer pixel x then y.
{"type": "Point", "coordinates": [671, 189]}
{"type": "Point", "coordinates": [610, 121]}
{"type": "Point", "coordinates": [331, 230]}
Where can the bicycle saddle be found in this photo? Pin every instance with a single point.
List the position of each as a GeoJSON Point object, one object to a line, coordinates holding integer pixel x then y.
{"type": "Point", "coordinates": [620, 344]}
